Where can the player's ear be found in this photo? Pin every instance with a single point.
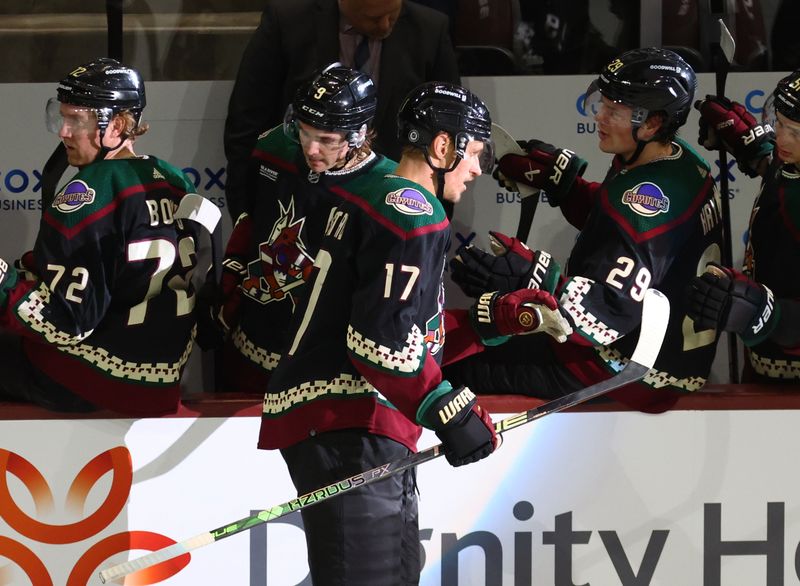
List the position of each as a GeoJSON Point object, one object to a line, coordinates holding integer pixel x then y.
{"type": "Point", "coordinates": [651, 126]}
{"type": "Point", "coordinates": [440, 145]}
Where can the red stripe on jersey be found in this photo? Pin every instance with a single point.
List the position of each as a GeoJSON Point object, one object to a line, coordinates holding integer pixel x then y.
{"type": "Point", "coordinates": [71, 232]}
{"type": "Point", "coordinates": [638, 237]}
{"type": "Point", "coordinates": [104, 391]}
{"type": "Point", "coordinates": [271, 158]}
{"type": "Point", "coordinates": [331, 414]}
{"type": "Point", "coordinates": [385, 222]}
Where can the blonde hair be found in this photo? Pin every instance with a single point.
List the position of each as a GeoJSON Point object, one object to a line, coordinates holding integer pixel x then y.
{"type": "Point", "coordinates": [132, 129]}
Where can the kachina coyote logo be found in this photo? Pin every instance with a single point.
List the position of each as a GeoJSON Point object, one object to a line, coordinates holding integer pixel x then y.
{"type": "Point", "coordinates": [117, 462]}
{"type": "Point", "coordinates": [283, 263]}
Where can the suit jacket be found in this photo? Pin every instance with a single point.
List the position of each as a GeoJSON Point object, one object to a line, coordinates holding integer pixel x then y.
{"type": "Point", "coordinates": [297, 37]}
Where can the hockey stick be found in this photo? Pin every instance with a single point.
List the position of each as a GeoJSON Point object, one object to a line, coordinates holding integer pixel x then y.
{"type": "Point", "coordinates": [504, 144]}
{"type": "Point", "coordinates": [722, 52]}
{"type": "Point", "coordinates": [655, 316]}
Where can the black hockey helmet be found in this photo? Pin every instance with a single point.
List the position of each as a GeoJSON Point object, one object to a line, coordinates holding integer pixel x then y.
{"type": "Point", "coordinates": [785, 99]}
{"type": "Point", "coordinates": [336, 99]}
{"type": "Point", "coordinates": [648, 80]}
{"type": "Point", "coordinates": [106, 86]}
{"type": "Point", "coordinates": [435, 107]}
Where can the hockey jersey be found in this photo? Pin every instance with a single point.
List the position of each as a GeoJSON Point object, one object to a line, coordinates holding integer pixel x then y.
{"type": "Point", "coordinates": [366, 338]}
{"type": "Point", "coordinates": [271, 252]}
{"type": "Point", "coordinates": [655, 225]}
{"type": "Point", "coordinates": [771, 255]}
{"type": "Point", "coordinates": [110, 314]}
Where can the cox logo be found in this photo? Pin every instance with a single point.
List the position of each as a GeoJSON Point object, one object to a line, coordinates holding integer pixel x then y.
{"type": "Point", "coordinates": [117, 461]}
{"type": "Point", "coordinates": [18, 180]}
{"type": "Point", "coordinates": [587, 127]}
{"type": "Point", "coordinates": [206, 180]}
{"type": "Point", "coordinates": [754, 101]}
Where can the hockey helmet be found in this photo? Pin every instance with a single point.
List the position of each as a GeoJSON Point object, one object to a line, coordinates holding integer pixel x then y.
{"type": "Point", "coordinates": [105, 86]}
{"type": "Point", "coordinates": [435, 107]}
{"type": "Point", "coordinates": [336, 99]}
{"type": "Point", "coordinates": [647, 80]}
{"type": "Point", "coordinates": [785, 99]}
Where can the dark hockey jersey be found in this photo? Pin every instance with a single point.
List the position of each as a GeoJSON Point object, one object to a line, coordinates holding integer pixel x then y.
{"type": "Point", "coordinates": [367, 336]}
{"type": "Point", "coordinates": [772, 256]}
{"type": "Point", "coordinates": [270, 254]}
{"type": "Point", "coordinates": [110, 316]}
{"type": "Point", "coordinates": [656, 225]}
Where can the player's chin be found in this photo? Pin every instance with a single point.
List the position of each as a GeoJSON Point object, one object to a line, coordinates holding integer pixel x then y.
{"type": "Point", "coordinates": [787, 157]}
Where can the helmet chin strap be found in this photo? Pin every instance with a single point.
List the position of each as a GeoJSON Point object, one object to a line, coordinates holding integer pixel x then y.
{"type": "Point", "coordinates": [440, 172]}
{"type": "Point", "coordinates": [640, 144]}
{"type": "Point", "coordinates": [104, 150]}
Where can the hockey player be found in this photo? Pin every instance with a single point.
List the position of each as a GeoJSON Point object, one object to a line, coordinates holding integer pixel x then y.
{"type": "Point", "coordinates": [760, 304]}
{"type": "Point", "coordinates": [361, 372]}
{"type": "Point", "coordinates": [324, 145]}
{"type": "Point", "coordinates": [654, 221]}
{"type": "Point", "coordinates": [106, 318]}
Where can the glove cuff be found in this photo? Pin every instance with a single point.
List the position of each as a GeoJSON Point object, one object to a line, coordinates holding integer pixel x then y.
{"type": "Point", "coordinates": [441, 408]}
{"type": "Point", "coordinates": [482, 319]}
{"type": "Point", "coordinates": [764, 324]}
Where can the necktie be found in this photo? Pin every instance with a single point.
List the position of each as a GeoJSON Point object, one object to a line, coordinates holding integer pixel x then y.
{"type": "Point", "coordinates": [361, 55]}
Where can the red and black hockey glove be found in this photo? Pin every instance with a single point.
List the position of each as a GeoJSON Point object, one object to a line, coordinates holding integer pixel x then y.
{"type": "Point", "coordinates": [464, 427]}
{"type": "Point", "coordinates": [545, 167]}
{"type": "Point", "coordinates": [510, 266]}
{"type": "Point", "coordinates": [526, 311]}
{"type": "Point", "coordinates": [728, 125]}
{"type": "Point", "coordinates": [727, 300]}
{"type": "Point", "coordinates": [26, 266]}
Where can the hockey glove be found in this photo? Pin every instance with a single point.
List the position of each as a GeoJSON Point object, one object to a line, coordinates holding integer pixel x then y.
{"type": "Point", "coordinates": [526, 311]}
{"type": "Point", "coordinates": [211, 330]}
{"type": "Point", "coordinates": [512, 266]}
{"type": "Point", "coordinates": [545, 167]}
{"type": "Point", "coordinates": [464, 427]}
{"type": "Point", "coordinates": [8, 278]}
{"type": "Point", "coordinates": [728, 125]}
{"type": "Point", "coordinates": [26, 267]}
{"type": "Point", "coordinates": [728, 300]}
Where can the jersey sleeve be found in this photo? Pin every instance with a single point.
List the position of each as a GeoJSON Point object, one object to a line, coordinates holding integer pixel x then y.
{"type": "Point", "coordinates": [580, 201]}
{"type": "Point", "coordinates": [396, 329]}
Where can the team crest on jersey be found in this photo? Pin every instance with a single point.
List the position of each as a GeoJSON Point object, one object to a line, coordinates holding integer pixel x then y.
{"type": "Point", "coordinates": [410, 202]}
{"type": "Point", "coordinates": [283, 262]}
{"type": "Point", "coordinates": [73, 197]}
{"type": "Point", "coordinates": [646, 199]}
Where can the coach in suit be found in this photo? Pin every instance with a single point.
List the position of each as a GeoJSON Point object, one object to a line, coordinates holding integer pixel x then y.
{"type": "Point", "coordinates": [400, 44]}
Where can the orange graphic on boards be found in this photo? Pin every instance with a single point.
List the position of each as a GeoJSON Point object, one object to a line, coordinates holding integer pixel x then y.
{"type": "Point", "coordinates": [117, 461]}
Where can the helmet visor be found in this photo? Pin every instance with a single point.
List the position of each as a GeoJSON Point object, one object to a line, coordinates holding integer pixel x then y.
{"type": "Point", "coordinates": [768, 114]}
{"type": "Point", "coordinates": [74, 119]}
{"type": "Point", "coordinates": [485, 156]}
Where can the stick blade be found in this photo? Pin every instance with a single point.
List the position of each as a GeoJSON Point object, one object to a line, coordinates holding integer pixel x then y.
{"type": "Point", "coordinates": [655, 317]}
{"type": "Point", "coordinates": [726, 42]}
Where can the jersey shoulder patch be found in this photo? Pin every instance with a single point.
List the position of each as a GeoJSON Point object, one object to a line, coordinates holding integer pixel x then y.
{"type": "Point", "coordinates": [403, 204]}
{"type": "Point", "coordinates": [660, 192]}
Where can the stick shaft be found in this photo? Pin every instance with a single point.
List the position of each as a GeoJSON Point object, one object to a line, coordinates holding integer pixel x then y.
{"type": "Point", "coordinates": [655, 315]}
